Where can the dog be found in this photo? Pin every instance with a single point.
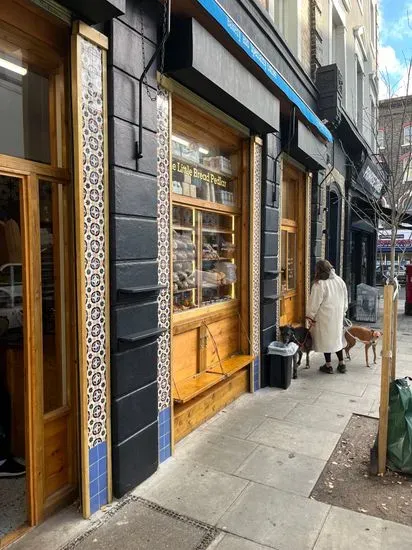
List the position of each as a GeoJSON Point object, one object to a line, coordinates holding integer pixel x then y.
{"type": "Point", "coordinates": [367, 336]}
{"type": "Point", "coordinates": [302, 337]}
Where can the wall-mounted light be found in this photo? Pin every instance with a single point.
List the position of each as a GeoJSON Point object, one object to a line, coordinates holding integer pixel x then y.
{"type": "Point", "coordinates": [12, 67]}
{"type": "Point", "coordinates": [181, 141]}
{"type": "Point", "coordinates": [203, 151]}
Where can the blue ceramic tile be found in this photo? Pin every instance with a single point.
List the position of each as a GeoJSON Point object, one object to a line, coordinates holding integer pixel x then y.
{"type": "Point", "coordinates": [94, 489]}
{"type": "Point", "coordinates": [103, 498]}
{"type": "Point", "coordinates": [102, 464]}
{"type": "Point", "coordinates": [93, 456]}
{"type": "Point", "coordinates": [102, 481]}
{"type": "Point", "coordinates": [102, 449]}
{"type": "Point", "coordinates": [94, 504]}
{"type": "Point", "coordinates": [162, 456]}
{"type": "Point", "coordinates": [93, 472]}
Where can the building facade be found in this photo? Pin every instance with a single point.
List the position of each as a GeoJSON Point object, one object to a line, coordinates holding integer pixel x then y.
{"type": "Point", "coordinates": [170, 173]}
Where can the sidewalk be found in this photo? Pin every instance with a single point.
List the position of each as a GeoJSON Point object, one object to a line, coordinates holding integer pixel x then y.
{"type": "Point", "coordinates": [250, 470]}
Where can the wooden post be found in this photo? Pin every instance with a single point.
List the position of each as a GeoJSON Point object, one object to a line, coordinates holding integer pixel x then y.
{"type": "Point", "coordinates": [386, 369]}
{"type": "Point", "coordinates": [394, 337]}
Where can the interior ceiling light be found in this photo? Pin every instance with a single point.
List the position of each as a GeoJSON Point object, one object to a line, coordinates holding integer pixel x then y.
{"type": "Point", "coordinates": [12, 67]}
{"type": "Point", "coordinates": [203, 151]}
{"type": "Point", "coordinates": [181, 140]}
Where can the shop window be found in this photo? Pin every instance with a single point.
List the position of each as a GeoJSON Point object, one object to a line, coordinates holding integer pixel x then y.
{"type": "Point", "coordinates": [24, 111]}
{"type": "Point", "coordinates": [407, 135]}
{"type": "Point", "coordinates": [206, 210]}
{"type": "Point", "coordinates": [407, 170]}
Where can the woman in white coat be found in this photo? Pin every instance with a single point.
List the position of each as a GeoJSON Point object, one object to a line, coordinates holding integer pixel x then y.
{"type": "Point", "coordinates": [327, 306]}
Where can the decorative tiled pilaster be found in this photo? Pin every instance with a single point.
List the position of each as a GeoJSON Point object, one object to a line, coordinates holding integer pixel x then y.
{"type": "Point", "coordinates": [91, 206]}
{"type": "Point", "coordinates": [255, 228]}
{"type": "Point", "coordinates": [163, 220]}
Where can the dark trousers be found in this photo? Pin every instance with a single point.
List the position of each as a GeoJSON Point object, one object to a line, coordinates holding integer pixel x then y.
{"type": "Point", "coordinates": [338, 353]}
{"type": "Point", "coordinates": [5, 421]}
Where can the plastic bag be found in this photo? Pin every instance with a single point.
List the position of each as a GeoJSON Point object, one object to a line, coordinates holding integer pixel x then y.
{"type": "Point", "coordinates": [284, 350]}
{"type": "Point", "coordinates": [400, 426]}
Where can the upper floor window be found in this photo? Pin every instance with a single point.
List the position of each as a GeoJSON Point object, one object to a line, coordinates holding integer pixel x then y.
{"type": "Point", "coordinates": [381, 138]}
{"type": "Point", "coordinates": [359, 95]}
{"type": "Point", "coordinates": [407, 135]}
{"type": "Point", "coordinates": [276, 11]}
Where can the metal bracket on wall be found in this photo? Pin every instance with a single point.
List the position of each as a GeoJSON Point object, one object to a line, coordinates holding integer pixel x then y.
{"type": "Point", "coordinates": [139, 143]}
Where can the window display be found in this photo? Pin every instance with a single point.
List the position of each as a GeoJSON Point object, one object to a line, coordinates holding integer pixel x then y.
{"type": "Point", "coordinates": [206, 183]}
{"type": "Point", "coordinates": [204, 258]}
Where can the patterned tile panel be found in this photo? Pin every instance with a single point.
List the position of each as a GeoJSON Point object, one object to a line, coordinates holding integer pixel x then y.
{"type": "Point", "coordinates": [94, 237]}
{"type": "Point", "coordinates": [256, 259]}
{"type": "Point", "coordinates": [163, 238]}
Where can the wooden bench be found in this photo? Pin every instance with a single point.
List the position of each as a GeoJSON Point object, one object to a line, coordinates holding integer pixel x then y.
{"type": "Point", "coordinates": [187, 389]}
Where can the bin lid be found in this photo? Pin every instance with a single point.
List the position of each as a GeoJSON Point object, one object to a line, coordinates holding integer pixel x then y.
{"type": "Point", "coordinates": [280, 348]}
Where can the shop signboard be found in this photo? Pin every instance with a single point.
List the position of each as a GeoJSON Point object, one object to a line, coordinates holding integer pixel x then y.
{"type": "Point", "coordinates": [370, 179]}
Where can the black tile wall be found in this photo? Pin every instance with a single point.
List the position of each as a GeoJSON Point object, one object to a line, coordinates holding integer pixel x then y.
{"type": "Point", "coordinates": [133, 246]}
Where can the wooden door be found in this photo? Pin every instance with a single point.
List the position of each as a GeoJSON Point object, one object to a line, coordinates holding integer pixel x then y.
{"type": "Point", "coordinates": [37, 346]}
{"type": "Point", "coordinates": [292, 247]}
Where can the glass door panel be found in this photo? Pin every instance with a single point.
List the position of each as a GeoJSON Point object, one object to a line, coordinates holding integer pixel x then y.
{"type": "Point", "coordinates": [53, 293]}
{"type": "Point", "coordinates": [12, 359]}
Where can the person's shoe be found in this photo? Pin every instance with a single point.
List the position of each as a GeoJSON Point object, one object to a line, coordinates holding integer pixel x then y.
{"type": "Point", "coordinates": [11, 468]}
{"type": "Point", "coordinates": [341, 368]}
{"type": "Point", "coordinates": [326, 368]}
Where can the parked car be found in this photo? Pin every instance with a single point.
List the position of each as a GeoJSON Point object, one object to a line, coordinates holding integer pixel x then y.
{"type": "Point", "coordinates": [383, 272]}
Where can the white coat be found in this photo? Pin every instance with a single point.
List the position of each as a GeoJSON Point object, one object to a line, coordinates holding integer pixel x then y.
{"type": "Point", "coordinates": [327, 306]}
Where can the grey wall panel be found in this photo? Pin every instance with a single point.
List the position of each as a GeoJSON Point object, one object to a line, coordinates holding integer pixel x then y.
{"type": "Point", "coordinates": [132, 193]}
{"type": "Point", "coordinates": [146, 8]}
{"type": "Point", "coordinates": [128, 274]}
{"type": "Point", "coordinates": [126, 51]}
{"type": "Point", "coordinates": [126, 89]}
{"type": "Point", "coordinates": [135, 318]}
{"type": "Point", "coordinates": [134, 238]}
{"type": "Point", "coordinates": [134, 411]}
{"type": "Point", "coordinates": [123, 146]}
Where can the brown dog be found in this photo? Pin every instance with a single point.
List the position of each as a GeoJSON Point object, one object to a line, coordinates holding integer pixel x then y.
{"type": "Point", "coordinates": [367, 336]}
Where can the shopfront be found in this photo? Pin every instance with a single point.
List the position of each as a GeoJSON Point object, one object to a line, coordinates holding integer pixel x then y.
{"type": "Point", "coordinates": [52, 119]}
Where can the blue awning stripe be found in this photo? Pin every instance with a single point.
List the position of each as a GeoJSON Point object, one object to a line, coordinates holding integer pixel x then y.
{"type": "Point", "coordinates": [232, 28]}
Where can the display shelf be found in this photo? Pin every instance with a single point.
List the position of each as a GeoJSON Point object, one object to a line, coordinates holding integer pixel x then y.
{"type": "Point", "coordinates": [217, 231]}
{"type": "Point", "coordinates": [182, 228]}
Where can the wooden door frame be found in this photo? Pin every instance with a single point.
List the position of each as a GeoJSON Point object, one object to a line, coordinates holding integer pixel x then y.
{"type": "Point", "coordinates": [288, 166]}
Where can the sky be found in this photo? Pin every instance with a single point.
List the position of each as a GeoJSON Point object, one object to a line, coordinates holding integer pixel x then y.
{"type": "Point", "coordinates": [395, 49]}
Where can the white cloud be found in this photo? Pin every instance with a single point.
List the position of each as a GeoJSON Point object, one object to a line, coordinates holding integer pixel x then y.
{"type": "Point", "coordinates": [400, 28]}
{"type": "Point", "coordinates": [395, 78]}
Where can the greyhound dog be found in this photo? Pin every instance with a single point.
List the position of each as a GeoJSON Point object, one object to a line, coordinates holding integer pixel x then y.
{"type": "Point", "coordinates": [367, 336]}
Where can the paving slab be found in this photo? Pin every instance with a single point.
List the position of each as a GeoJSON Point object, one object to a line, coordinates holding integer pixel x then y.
{"type": "Point", "coordinates": [284, 470]}
{"type": "Point", "coordinates": [217, 451]}
{"type": "Point", "coordinates": [346, 403]}
{"type": "Point", "coordinates": [235, 423]}
{"type": "Point", "coordinates": [231, 542]}
{"type": "Point", "coordinates": [339, 383]}
{"type": "Point", "coordinates": [346, 530]}
{"type": "Point", "coordinates": [269, 405]}
{"type": "Point", "coordinates": [316, 416]}
{"type": "Point", "coordinates": [295, 438]}
{"type": "Point", "coordinates": [396, 536]}
{"type": "Point", "coordinates": [192, 489]}
{"type": "Point", "coordinates": [276, 519]}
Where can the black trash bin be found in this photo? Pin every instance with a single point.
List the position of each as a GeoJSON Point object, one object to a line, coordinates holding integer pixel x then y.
{"type": "Point", "coordinates": [281, 364]}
